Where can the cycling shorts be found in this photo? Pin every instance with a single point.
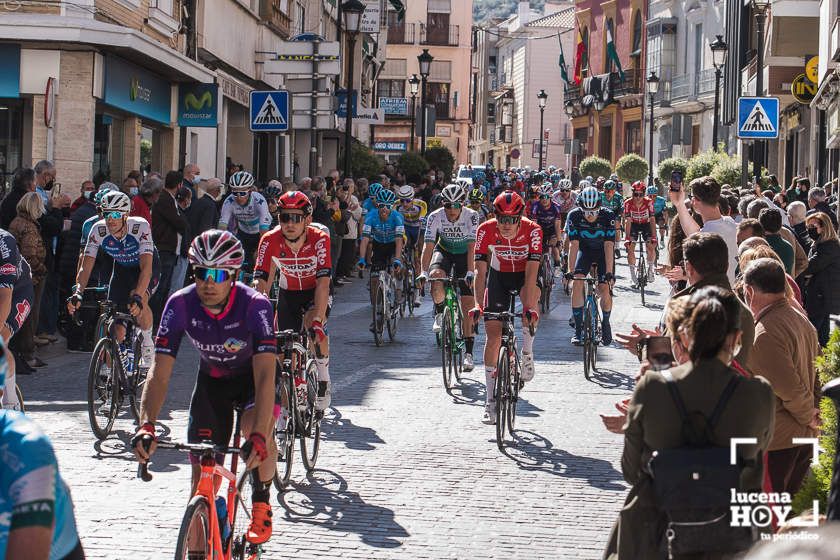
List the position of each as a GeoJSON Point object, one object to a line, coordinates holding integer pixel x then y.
{"type": "Point", "coordinates": [292, 305]}
{"type": "Point", "coordinates": [637, 230]}
{"type": "Point", "coordinates": [585, 260]}
{"type": "Point", "coordinates": [124, 280]}
{"type": "Point", "coordinates": [22, 296]}
{"type": "Point", "coordinates": [412, 234]}
{"type": "Point", "coordinates": [444, 260]}
{"type": "Point", "coordinates": [660, 219]}
{"type": "Point", "coordinates": [497, 295]}
{"type": "Point", "coordinates": [212, 405]}
{"type": "Point", "coordinates": [382, 255]}
{"type": "Point", "coordinates": [249, 241]}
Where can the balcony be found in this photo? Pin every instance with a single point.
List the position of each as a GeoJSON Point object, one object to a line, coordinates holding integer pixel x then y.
{"type": "Point", "coordinates": [705, 82]}
{"type": "Point", "coordinates": [439, 35]}
{"type": "Point", "coordinates": [402, 34]}
{"type": "Point", "coordinates": [681, 88]}
{"type": "Point", "coordinates": [688, 87]}
{"type": "Point", "coordinates": [444, 109]}
{"type": "Point", "coordinates": [272, 13]}
{"type": "Point", "coordinates": [631, 85]}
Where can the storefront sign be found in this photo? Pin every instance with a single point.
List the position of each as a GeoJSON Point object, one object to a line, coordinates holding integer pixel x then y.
{"type": "Point", "coordinates": [812, 69]}
{"type": "Point", "coordinates": [394, 105]}
{"type": "Point", "coordinates": [371, 17]}
{"type": "Point", "coordinates": [9, 70]}
{"type": "Point", "coordinates": [803, 90]}
{"type": "Point", "coordinates": [137, 90]}
{"type": "Point", "coordinates": [341, 97]}
{"type": "Point", "coordinates": [444, 131]}
{"type": "Point", "coordinates": [233, 90]}
{"type": "Point", "coordinates": [390, 146]}
{"type": "Point", "coordinates": [434, 143]}
{"type": "Point", "coordinates": [198, 105]}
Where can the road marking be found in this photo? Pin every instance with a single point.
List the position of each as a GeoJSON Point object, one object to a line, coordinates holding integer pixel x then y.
{"type": "Point", "coordinates": [366, 371]}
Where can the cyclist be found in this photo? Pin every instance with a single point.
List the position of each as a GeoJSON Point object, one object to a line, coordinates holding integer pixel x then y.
{"type": "Point", "coordinates": [135, 272]}
{"type": "Point", "coordinates": [16, 293]}
{"type": "Point", "coordinates": [385, 232]}
{"type": "Point", "coordinates": [247, 212]}
{"type": "Point", "coordinates": [230, 326]}
{"type": "Point", "coordinates": [611, 199]}
{"type": "Point", "coordinates": [369, 205]}
{"type": "Point", "coordinates": [476, 204]}
{"type": "Point", "coordinates": [510, 248]}
{"type": "Point", "coordinates": [548, 215]}
{"type": "Point", "coordinates": [639, 221]}
{"type": "Point", "coordinates": [591, 229]}
{"type": "Point", "coordinates": [298, 253]}
{"type": "Point", "coordinates": [450, 242]}
{"type": "Point", "coordinates": [659, 203]}
{"type": "Point", "coordinates": [414, 212]}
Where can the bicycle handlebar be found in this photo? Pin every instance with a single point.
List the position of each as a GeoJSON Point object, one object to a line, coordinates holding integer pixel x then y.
{"type": "Point", "coordinates": [198, 448]}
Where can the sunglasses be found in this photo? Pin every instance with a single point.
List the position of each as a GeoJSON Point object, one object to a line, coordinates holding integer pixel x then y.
{"type": "Point", "coordinates": [217, 275]}
{"type": "Point", "coordinates": [638, 195]}
{"type": "Point", "coordinates": [565, 190]}
{"type": "Point", "coordinates": [451, 205]}
{"type": "Point", "coordinates": [114, 215]}
{"type": "Point", "coordinates": [286, 217]}
{"type": "Point", "coordinates": [240, 193]}
{"type": "Point", "coordinates": [590, 213]}
{"type": "Point", "coordinates": [383, 206]}
{"type": "Point", "coordinates": [406, 200]}
{"type": "Point", "coordinates": [508, 220]}
{"type": "Point", "coordinates": [545, 196]}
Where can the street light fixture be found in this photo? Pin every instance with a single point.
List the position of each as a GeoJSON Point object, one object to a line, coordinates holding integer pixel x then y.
{"type": "Point", "coordinates": [569, 108]}
{"type": "Point", "coordinates": [542, 97]}
{"type": "Point", "coordinates": [653, 89]}
{"type": "Point", "coordinates": [413, 85]}
{"type": "Point", "coordinates": [760, 8]}
{"type": "Point", "coordinates": [424, 59]}
{"type": "Point", "coordinates": [351, 11]}
{"type": "Point", "coordinates": [719, 51]}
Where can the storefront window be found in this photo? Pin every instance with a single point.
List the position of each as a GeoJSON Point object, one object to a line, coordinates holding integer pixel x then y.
{"type": "Point", "coordinates": [11, 139]}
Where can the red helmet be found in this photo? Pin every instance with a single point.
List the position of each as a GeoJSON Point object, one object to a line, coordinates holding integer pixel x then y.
{"type": "Point", "coordinates": [508, 203]}
{"type": "Point", "coordinates": [295, 200]}
{"type": "Point", "coordinates": [639, 186]}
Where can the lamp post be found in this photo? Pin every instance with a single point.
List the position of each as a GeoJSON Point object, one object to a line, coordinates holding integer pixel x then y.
{"type": "Point", "coordinates": [760, 7]}
{"type": "Point", "coordinates": [652, 89]}
{"type": "Point", "coordinates": [719, 51]}
{"type": "Point", "coordinates": [569, 109]}
{"type": "Point", "coordinates": [542, 97]}
{"type": "Point", "coordinates": [425, 61]}
{"type": "Point", "coordinates": [413, 84]}
{"type": "Point", "coordinates": [352, 11]}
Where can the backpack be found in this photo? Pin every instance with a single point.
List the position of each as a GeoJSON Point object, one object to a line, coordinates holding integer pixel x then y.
{"type": "Point", "coordinates": [692, 484]}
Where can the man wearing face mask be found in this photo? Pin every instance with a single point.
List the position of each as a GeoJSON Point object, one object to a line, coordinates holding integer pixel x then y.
{"type": "Point", "coordinates": [87, 190]}
{"type": "Point", "coordinates": [130, 187]}
{"type": "Point", "coordinates": [192, 177]}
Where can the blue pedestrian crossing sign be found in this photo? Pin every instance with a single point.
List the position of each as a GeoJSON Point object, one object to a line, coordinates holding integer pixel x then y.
{"type": "Point", "coordinates": [269, 111]}
{"type": "Point", "coordinates": [758, 117]}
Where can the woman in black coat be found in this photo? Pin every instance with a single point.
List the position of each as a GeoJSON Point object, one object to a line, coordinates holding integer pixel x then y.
{"type": "Point", "coordinates": [822, 292]}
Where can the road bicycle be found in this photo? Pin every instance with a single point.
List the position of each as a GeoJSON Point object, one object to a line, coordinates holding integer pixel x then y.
{"type": "Point", "coordinates": [212, 513]}
{"type": "Point", "coordinates": [564, 267]}
{"type": "Point", "coordinates": [641, 267]}
{"type": "Point", "coordinates": [546, 276]}
{"type": "Point", "coordinates": [385, 305]}
{"type": "Point", "coordinates": [409, 287]}
{"type": "Point", "coordinates": [591, 327]}
{"type": "Point", "coordinates": [20, 407]}
{"type": "Point", "coordinates": [114, 373]}
{"type": "Point", "coordinates": [451, 335]}
{"type": "Point", "coordinates": [297, 386]}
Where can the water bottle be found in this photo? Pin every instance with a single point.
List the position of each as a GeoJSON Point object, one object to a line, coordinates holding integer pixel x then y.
{"type": "Point", "coordinates": [127, 358]}
{"type": "Point", "coordinates": [222, 513]}
{"type": "Point", "coordinates": [302, 393]}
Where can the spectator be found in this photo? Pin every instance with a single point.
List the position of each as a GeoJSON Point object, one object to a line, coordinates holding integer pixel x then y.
{"type": "Point", "coordinates": [822, 291]}
{"type": "Point", "coordinates": [131, 187]}
{"type": "Point", "coordinates": [773, 184]}
{"type": "Point", "coordinates": [796, 213]}
{"type": "Point", "coordinates": [204, 212]}
{"type": "Point", "coordinates": [87, 190]}
{"type": "Point", "coordinates": [141, 205]}
{"type": "Point", "coordinates": [799, 190]}
{"type": "Point", "coordinates": [184, 199]}
{"type": "Point", "coordinates": [71, 241]}
{"type": "Point", "coordinates": [192, 176]}
{"type": "Point", "coordinates": [784, 353]}
{"type": "Point", "coordinates": [771, 221]}
{"type": "Point", "coordinates": [757, 248]}
{"type": "Point", "coordinates": [27, 232]}
{"type": "Point", "coordinates": [676, 274]}
{"type": "Point", "coordinates": [800, 256]}
{"type": "Point", "coordinates": [350, 205]}
{"type": "Point", "coordinates": [781, 201]}
{"type": "Point", "coordinates": [22, 183]}
{"type": "Point", "coordinates": [817, 203]}
{"type": "Point", "coordinates": [168, 230]}
{"type": "Point", "coordinates": [709, 336]}
{"type": "Point", "coordinates": [749, 227]}
{"type": "Point", "coordinates": [44, 179]}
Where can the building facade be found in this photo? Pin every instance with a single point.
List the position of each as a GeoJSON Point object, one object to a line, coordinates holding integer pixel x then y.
{"type": "Point", "coordinates": [826, 103]}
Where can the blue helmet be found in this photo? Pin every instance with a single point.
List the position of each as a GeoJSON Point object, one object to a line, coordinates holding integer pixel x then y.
{"type": "Point", "coordinates": [652, 190]}
{"type": "Point", "coordinates": [373, 189]}
{"type": "Point", "coordinates": [384, 196]}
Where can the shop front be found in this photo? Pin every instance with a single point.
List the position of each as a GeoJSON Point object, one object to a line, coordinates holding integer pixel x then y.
{"type": "Point", "coordinates": [11, 113]}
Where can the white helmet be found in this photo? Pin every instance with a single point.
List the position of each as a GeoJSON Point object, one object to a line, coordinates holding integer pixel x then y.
{"type": "Point", "coordinates": [565, 184]}
{"type": "Point", "coordinates": [115, 201]}
{"type": "Point", "coordinates": [584, 184]}
{"type": "Point", "coordinates": [405, 191]}
{"type": "Point", "coordinates": [453, 194]}
{"type": "Point", "coordinates": [241, 180]}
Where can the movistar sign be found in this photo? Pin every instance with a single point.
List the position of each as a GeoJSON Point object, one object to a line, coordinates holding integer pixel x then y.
{"type": "Point", "coordinates": [198, 105]}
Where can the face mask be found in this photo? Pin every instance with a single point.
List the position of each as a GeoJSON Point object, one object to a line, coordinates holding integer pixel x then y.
{"type": "Point", "coordinates": [134, 191]}
{"type": "Point", "coordinates": [87, 194]}
{"type": "Point", "coordinates": [49, 186]}
{"type": "Point", "coordinates": [813, 233]}
{"type": "Point", "coordinates": [196, 180]}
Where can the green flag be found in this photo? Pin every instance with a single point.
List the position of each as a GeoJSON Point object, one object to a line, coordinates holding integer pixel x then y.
{"type": "Point", "coordinates": [562, 62]}
{"type": "Point", "coordinates": [400, 8]}
{"type": "Point", "coordinates": [612, 54]}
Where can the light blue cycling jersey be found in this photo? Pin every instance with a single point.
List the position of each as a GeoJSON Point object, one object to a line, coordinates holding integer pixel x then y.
{"type": "Point", "coordinates": [32, 493]}
{"type": "Point", "coordinates": [87, 226]}
{"type": "Point", "coordinates": [659, 204]}
{"type": "Point", "coordinates": [253, 218]}
{"type": "Point", "coordinates": [384, 232]}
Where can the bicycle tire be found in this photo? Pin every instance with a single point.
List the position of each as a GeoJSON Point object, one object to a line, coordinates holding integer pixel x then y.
{"type": "Point", "coordinates": [501, 391]}
{"type": "Point", "coordinates": [198, 509]}
{"type": "Point", "coordinates": [378, 315]}
{"type": "Point", "coordinates": [285, 439]}
{"type": "Point", "coordinates": [136, 381]}
{"type": "Point", "coordinates": [513, 394]}
{"type": "Point", "coordinates": [446, 348]}
{"type": "Point", "coordinates": [310, 434]}
{"type": "Point", "coordinates": [596, 331]}
{"type": "Point", "coordinates": [411, 293]}
{"type": "Point", "coordinates": [588, 340]}
{"type": "Point", "coordinates": [242, 549]}
{"type": "Point", "coordinates": [458, 341]}
{"type": "Point", "coordinates": [19, 393]}
{"type": "Point", "coordinates": [391, 317]}
{"type": "Point", "coordinates": [110, 388]}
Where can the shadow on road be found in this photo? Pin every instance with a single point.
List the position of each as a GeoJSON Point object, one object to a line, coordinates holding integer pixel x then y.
{"type": "Point", "coordinates": [469, 392]}
{"type": "Point", "coordinates": [338, 428]}
{"type": "Point", "coordinates": [611, 379]}
{"type": "Point", "coordinates": [323, 499]}
{"type": "Point", "coordinates": [533, 452]}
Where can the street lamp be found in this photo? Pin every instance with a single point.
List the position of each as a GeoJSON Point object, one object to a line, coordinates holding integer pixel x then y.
{"type": "Point", "coordinates": [719, 51]}
{"type": "Point", "coordinates": [425, 61]}
{"type": "Point", "coordinates": [542, 97]}
{"type": "Point", "coordinates": [352, 11]}
{"type": "Point", "coordinates": [653, 89]}
{"type": "Point", "coordinates": [413, 84]}
{"type": "Point", "coordinates": [760, 8]}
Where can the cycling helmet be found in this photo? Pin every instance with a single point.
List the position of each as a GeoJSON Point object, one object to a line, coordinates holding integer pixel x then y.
{"type": "Point", "coordinates": [452, 194]}
{"type": "Point", "coordinates": [241, 180]}
{"type": "Point", "coordinates": [215, 248]}
{"type": "Point", "coordinates": [652, 190]}
{"type": "Point", "coordinates": [104, 188]}
{"type": "Point", "coordinates": [609, 185]}
{"type": "Point", "coordinates": [508, 203]}
{"type": "Point", "coordinates": [589, 198]}
{"type": "Point", "coordinates": [547, 189]}
{"type": "Point", "coordinates": [295, 200]}
{"type": "Point", "coordinates": [638, 186]}
{"type": "Point", "coordinates": [384, 196]}
{"type": "Point", "coordinates": [566, 184]}
{"type": "Point", "coordinates": [272, 192]}
{"type": "Point", "coordinates": [115, 201]}
{"type": "Point", "coordinates": [555, 177]}
{"type": "Point", "coordinates": [589, 179]}
{"type": "Point", "coordinates": [373, 189]}
{"type": "Point", "coordinates": [405, 191]}
{"type": "Point", "coordinates": [614, 177]}
{"type": "Point", "coordinates": [476, 195]}
{"type": "Point", "coordinates": [586, 183]}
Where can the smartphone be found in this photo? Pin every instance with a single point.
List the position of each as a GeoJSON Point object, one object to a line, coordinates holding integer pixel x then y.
{"type": "Point", "coordinates": [657, 352]}
{"type": "Point", "coordinates": [55, 192]}
{"type": "Point", "coordinates": [676, 180]}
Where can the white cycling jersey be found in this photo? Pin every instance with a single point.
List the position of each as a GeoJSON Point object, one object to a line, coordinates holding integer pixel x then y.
{"type": "Point", "coordinates": [452, 237]}
{"type": "Point", "coordinates": [253, 218]}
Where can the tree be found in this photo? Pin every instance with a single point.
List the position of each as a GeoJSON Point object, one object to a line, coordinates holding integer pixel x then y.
{"type": "Point", "coordinates": [363, 162]}
{"type": "Point", "coordinates": [413, 166]}
{"type": "Point", "coordinates": [442, 158]}
{"type": "Point", "coordinates": [595, 166]}
{"type": "Point", "coordinates": [669, 165]}
{"type": "Point", "coordinates": [701, 165]}
{"type": "Point", "coordinates": [631, 168]}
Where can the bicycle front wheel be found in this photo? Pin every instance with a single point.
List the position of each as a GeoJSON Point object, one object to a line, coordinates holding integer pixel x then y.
{"type": "Point", "coordinates": [378, 315]}
{"type": "Point", "coordinates": [21, 407]}
{"type": "Point", "coordinates": [392, 314]}
{"type": "Point", "coordinates": [103, 391]}
{"type": "Point", "coordinates": [284, 437]}
{"type": "Point", "coordinates": [513, 393]}
{"type": "Point", "coordinates": [446, 348]}
{"type": "Point", "coordinates": [194, 539]}
{"type": "Point", "coordinates": [242, 549]}
{"type": "Point", "coordinates": [310, 434]}
{"type": "Point", "coordinates": [502, 392]}
{"type": "Point", "coordinates": [588, 342]}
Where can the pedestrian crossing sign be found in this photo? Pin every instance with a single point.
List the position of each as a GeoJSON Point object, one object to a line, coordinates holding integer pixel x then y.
{"type": "Point", "coordinates": [269, 111]}
{"type": "Point", "coordinates": [758, 117]}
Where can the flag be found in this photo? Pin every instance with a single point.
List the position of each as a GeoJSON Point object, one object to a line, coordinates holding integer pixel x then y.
{"type": "Point", "coordinates": [400, 8]}
{"type": "Point", "coordinates": [580, 54]}
{"type": "Point", "coordinates": [562, 62]}
{"type": "Point", "coordinates": [612, 54]}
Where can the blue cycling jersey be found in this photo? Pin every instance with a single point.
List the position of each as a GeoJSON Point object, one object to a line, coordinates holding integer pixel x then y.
{"type": "Point", "coordinates": [659, 204]}
{"type": "Point", "coordinates": [32, 493]}
{"type": "Point", "coordinates": [384, 232]}
{"type": "Point", "coordinates": [591, 235]}
{"type": "Point", "coordinates": [136, 240]}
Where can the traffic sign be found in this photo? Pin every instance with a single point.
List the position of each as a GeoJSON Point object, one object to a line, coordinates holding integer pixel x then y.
{"type": "Point", "coordinates": [535, 149]}
{"type": "Point", "coordinates": [269, 111]}
{"type": "Point", "coordinates": [803, 89]}
{"type": "Point", "coordinates": [758, 117]}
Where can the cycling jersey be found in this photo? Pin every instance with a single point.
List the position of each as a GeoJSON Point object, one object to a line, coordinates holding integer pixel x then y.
{"type": "Point", "coordinates": [482, 212]}
{"type": "Point", "coordinates": [508, 255]}
{"type": "Point", "coordinates": [545, 217]}
{"type": "Point", "coordinates": [452, 237]}
{"type": "Point", "coordinates": [414, 215]}
{"type": "Point", "coordinates": [16, 275]}
{"type": "Point", "coordinates": [125, 251]}
{"type": "Point", "coordinates": [368, 205]}
{"type": "Point", "coordinates": [384, 231]}
{"type": "Point", "coordinates": [591, 235]}
{"type": "Point", "coordinates": [253, 218]}
{"type": "Point", "coordinates": [32, 493]}
{"type": "Point", "coordinates": [616, 203]}
{"type": "Point", "coordinates": [658, 205]}
{"type": "Point", "coordinates": [636, 214]}
{"type": "Point", "coordinates": [294, 270]}
{"type": "Point", "coordinates": [226, 342]}
{"type": "Point", "coordinates": [566, 204]}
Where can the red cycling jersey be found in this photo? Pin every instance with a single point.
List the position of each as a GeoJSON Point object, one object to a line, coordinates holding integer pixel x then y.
{"type": "Point", "coordinates": [638, 214]}
{"type": "Point", "coordinates": [508, 255]}
{"type": "Point", "coordinates": [295, 271]}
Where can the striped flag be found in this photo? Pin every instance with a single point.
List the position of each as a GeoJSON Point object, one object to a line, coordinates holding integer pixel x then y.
{"type": "Point", "coordinates": [400, 8]}
{"type": "Point", "coordinates": [580, 54]}
{"type": "Point", "coordinates": [612, 53]}
{"type": "Point", "coordinates": [562, 62]}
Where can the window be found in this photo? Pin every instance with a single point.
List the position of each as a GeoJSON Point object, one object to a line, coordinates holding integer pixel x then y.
{"type": "Point", "coordinates": [491, 64]}
{"type": "Point", "coordinates": [440, 71]}
{"type": "Point", "coordinates": [163, 5]}
{"type": "Point", "coordinates": [698, 48]}
{"type": "Point", "coordinates": [438, 95]}
{"type": "Point", "coordinates": [637, 35]}
{"type": "Point", "coordinates": [491, 113]}
{"type": "Point", "coordinates": [633, 137]}
{"type": "Point", "coordinates": [391, 88]}
{"type": "Point", "coordinates": [394, 68]}
{"type": "Point", "coordinates": [585, 62]}
{"type": "Point", "coordinates": [437, 29]}
{"type": "Point", "coordinates": [299, 19]}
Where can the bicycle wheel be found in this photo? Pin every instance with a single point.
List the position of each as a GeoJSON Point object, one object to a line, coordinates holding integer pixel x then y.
{"type": "Point", "coordinates": [502, 394]}
{"type": "Point", "coordinates": [378, 315]}
{"type": "Point", "coordinates": [411, 291]}
{"type": "Point", "coordinates": [241, 548]}
{"type": "Point", "coordinates": [392, 314]}
{"type": "Point", "coordinates": [446, 348]}
{"type": "Point", "coordinates": [21, 407]}
{"type": "Point", "coordinates": [103, 391]}
{"type": "Point", "coordinates": [401, 303]}
{"type": "Point", "coordinates": [194, 536]}
{"type": "Point", "coordinates": [642, 276]}
{"type": "Point", "coordinates": [596, 333]}
{"type": "Point", "coordinates": [588, 341]}
{"type": "Point", "coordinates": [513, 388]}
{"type": "Point", "coordinates": [458, 345]}
{"type": "Point", "coordinates": [310, 434]}
{"type": "Point", "coordinates": [285, 438]}
{"type": "Point", "coordinates": [135, 380]}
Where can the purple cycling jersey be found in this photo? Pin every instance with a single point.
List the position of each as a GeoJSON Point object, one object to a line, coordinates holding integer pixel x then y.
{"type": "Point", "coordinates": [226, 341]}
{"type": "Point", "coordinates": [545, 217]}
